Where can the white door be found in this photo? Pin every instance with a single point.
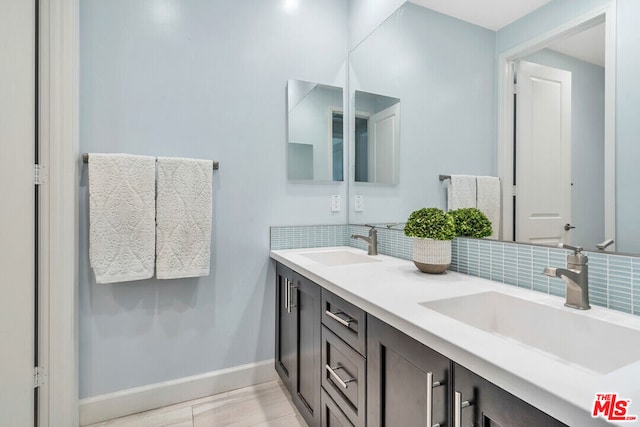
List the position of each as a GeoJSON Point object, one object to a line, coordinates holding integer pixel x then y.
{"type": "Point", "coordinates": [384, 134]}
{"type": "Point", "coordinates": [17, 106]}
{"type": "Point", "coordinates": [543, 154]}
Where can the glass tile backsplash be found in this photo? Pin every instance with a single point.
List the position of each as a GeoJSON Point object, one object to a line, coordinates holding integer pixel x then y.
{"type": "Point", "coordinates": [614, 280]}
{"type": "Point", "coordinates": [309, 236]}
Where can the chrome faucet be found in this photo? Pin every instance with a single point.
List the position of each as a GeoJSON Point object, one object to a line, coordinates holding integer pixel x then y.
{"type": "Point", "coordinates": [372, 240]}
{"type": "Point", "coordinates": [604, 245]}
{"type": "Point", "coordinates": [575, 276]}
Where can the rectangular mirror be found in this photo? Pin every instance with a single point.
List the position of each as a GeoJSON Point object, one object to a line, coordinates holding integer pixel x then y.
{"type": "Point", "coordinates": [315, 140]}
{"type": "Point", "coordinates": [376, 138]}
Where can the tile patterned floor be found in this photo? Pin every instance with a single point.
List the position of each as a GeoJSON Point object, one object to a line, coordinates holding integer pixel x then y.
{"type": "Point", "coordinates": [263, 405]}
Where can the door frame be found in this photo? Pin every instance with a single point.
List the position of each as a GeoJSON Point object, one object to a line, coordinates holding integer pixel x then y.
{"type": "Point", "coordinates": [58, 241]}
{"type": "Point", "coordinates": [607, 14]}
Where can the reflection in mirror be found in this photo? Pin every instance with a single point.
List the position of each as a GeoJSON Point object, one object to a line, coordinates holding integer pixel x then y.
{"type": "Point", "coordinates": [315, 131]}
{"type": "Point", "coordinates": [448, 114]}
{"type": "Point", "coordinates": [376, 138]}
{"type": "Point", "coordinates": [560, 141]}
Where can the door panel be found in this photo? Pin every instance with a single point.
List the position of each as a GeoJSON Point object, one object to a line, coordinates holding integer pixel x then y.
{"type": "Point", "coordinates": [397, 379]}
{"type": "Point", "coordinates": [17, 248]}
{"type": "Point", "coordinates": [384, 134]}
{"type": "Point", "coordinates": [305, 307]}
{"type": "Point", "coordinates": [543, 149]}
{"type": "Point", "coordinates": [284, 357]}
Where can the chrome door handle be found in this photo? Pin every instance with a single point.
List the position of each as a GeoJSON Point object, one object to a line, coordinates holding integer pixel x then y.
{"type": "Point", "coordinates": [343, 322]}
{"type": "Point", "coordinates": [568, 227]}
{"type": "Point", "coordinates": [332, 371]}
{"type": "Point", "coordinates": [286, 294]}
{"type": "Point", "coordinates": [458, 405]}
{"type": "Point", "coordinates": [291, 286]}
{"type": "Point", "coordinates": [430, 386]}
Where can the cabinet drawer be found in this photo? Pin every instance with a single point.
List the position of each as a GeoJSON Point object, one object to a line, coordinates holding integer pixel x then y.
{"type": "Point", "coordinates": [331, 415]}
{"type": "Point", "coordinates": [344, 376]}
{"type": "Point", "coordinates": [345, 320]}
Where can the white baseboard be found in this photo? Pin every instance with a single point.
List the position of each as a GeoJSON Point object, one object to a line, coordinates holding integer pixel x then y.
{"type": "Point", "coordinates": [126, 402]}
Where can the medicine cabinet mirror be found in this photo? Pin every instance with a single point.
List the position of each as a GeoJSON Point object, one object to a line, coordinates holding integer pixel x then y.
{"type": "Point", "coordinates": [376, 138]}
{"type": "Point", "coordinates": [315, 140]}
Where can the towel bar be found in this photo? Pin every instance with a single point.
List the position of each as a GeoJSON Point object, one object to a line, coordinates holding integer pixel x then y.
{"type": "Point", "coordinates": [443, 177]}
{"type": "Point", "coordinates": [85, 159]}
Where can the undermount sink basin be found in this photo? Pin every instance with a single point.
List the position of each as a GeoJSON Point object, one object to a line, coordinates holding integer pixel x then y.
{"type": "Point", "coordinates": [591, 343]}
{"type": "Point", "coordinates": [339, 257]}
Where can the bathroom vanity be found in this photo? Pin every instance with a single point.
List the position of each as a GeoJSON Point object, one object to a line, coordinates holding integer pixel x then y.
{"type": "Point", "coordinates": [371, 341]}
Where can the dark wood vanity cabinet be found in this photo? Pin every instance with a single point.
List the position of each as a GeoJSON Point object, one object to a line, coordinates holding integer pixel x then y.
{"type": "Point", "coordinates": [344, 364]}
{"type": "Point", "coordinates": [407, 382]}
{"type": "Point", "coordinates": [478, 402]}
{"type": "Point", "coordinates": [346, 368]}
{"type": "Point", "coordinates": [297, 358]}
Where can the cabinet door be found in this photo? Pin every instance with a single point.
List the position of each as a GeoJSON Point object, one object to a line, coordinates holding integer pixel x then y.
{"type": "Point", "coordinates": [285, 336]}
{"type": "Point", "coordinates": [332, 415]}
{"type": "Point", "coordinates": [478, 402]}
{"type": "Point", "coordinates": [305, 309]}
{"type": "Point", "coordinates": [402, 379]}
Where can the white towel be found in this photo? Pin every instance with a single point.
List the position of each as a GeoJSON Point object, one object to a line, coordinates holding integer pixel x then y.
{"type": "Point", "coordinates": [121, 216]}
{"type": "Point", "coordinates": [489, 201]}
{"type": "Point", "coordinates": [462, 192]}
{"type": "Point", "coordinates": [183, 217]}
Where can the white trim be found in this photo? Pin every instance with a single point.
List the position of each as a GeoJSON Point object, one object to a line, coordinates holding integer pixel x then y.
{"type": "Point", "coordinates": [126, 402]}
{"type": "Point", "coordinates": [59, 140]}
{"type": "Point", "coordinates": [607, 14]}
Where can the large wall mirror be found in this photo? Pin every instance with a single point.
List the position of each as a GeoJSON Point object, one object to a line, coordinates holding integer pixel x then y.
{"type": "Point", "coordinates": [559, 151]}
{"type": "Point", "coordinates": [445, 72]}
{"type": "Point", "coordinates": [442, 71]}
{"type": "Point", "coordinates": [315, 140]}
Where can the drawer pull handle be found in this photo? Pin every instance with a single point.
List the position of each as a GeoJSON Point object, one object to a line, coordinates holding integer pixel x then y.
{"type": "Point", "coordinates": [430, 386]}
{"type": "Point", "coordinates": [332, 372]}
{"type": "Point", "coordinates": [343, 322]}
{"type": "Point", "coordinates": [457, 409]}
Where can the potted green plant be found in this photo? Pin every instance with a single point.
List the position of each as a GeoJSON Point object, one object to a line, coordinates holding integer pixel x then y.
{"type": "Point", "coordinates": [432, 230]}
{"type": "Point", "coordinates": [471, 222]}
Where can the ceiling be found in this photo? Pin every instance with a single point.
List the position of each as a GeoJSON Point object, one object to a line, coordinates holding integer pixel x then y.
{"type": "Point", "coordinates": [588, 45]}
{"type": "Point", "coordinates": [491, 14]}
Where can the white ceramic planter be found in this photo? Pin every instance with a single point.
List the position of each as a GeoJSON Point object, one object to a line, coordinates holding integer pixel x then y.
{"type": "Point", "coordinates": [431, 256]}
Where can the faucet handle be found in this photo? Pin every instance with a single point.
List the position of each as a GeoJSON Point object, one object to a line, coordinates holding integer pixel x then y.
{"type": "Point", "coordinates": [576, 249]}
{"type": "Point", "coordinates": [373, 226]}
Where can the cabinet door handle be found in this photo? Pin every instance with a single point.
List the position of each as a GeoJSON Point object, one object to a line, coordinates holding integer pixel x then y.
{"type": "Point", "coordinates": [430, 386]}
{"type": "Point", "coordinates": [346, 323]}
{"type": "Point", "coordinates": [332, 371]}
{"type": "Point", "coordinates": [291, 286]}
{"type": "Point", "coordinates": [458, 405]}
{"type": "Point", "coordinates": [286, 295]}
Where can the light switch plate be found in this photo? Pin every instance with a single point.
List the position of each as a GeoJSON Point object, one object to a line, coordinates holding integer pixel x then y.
{"type": "Point", "coordinates": [335, 203]}
{"type": "Point", "coordinates": [358, 205]}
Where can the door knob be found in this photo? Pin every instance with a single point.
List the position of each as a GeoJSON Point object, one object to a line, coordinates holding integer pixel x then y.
{"type": "Point", "coordinates": [568, 227]}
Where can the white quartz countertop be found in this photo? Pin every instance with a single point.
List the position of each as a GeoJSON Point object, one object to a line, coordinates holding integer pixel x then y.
{"type": "Point", "coordinates": [392, 291]}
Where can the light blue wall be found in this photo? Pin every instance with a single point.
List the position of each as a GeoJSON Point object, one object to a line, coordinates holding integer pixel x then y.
{"type": "Point", "coordinates": [203, 79]}
{"type": "Point", "coordinates": [558, 12]}
{"type": "Point", "coordinates": [587, 144]}
{"type": "Point", "coordinates": [628, 126]}
{"type": "Point", "coordinates": [443, 71]}
{"type": "Point", "coordinates": [366, 15]}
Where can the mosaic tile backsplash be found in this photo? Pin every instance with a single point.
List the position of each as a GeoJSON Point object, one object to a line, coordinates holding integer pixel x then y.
{"type": "Point", "coordinates": [614, 280]}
